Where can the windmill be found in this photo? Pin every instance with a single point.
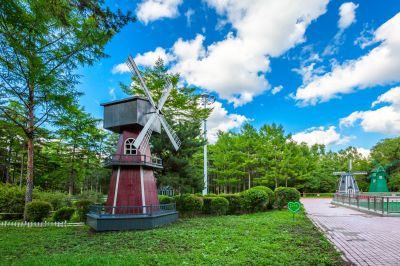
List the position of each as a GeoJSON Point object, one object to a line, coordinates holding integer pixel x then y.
{"type": "Point", "coordinates": [133, 190]}
{"type": "Point", "coordinates": [380, 175]}
{"type": "Point", "coordinates": [347, 183]}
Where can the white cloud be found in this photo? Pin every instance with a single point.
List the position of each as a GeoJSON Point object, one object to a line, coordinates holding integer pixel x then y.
{"type": "Point", "coordinates": [188, 14]}
{"type": "Point", "coordinates": [384, 120]}
{"type": "Point", "coordinates": [120, 68]}
{"type": "Point", "coordinates": [147, 59]}
{"type": "Point", "coordinates": [276, 89]}
{"type": "Point", "coordinates": [221, 120]}
{"type": "Point", "coordinates": [381, 66]}
{"type": "Point", "coordinates": [235, 67]}
{"type": "Point", "coordinates": [366, 37]}
{"type": "Point", "coordinates": [111, 92]}
{"type": "Point", "coordinates": [151, 10]}
{"type": "Point", "coordinates": [320, 135]}
{"type": "Point", "coordinates": [364, 152]}
{"type": "Point", "coordinates": [347, 13]}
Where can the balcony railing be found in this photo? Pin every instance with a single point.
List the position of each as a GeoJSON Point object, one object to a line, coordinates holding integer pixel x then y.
{"type": "Point", "coordinates": [148, 210]}
{"type": "Point", "coordinates": [138, 159]}
{"type": "Point", "coordinates": [364, 201]}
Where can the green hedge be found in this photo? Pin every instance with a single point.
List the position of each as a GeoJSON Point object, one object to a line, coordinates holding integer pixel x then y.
{"type": "Point", "coordinates": [255, 199]}
{"type": "Point", "coordinates": [57, 199]}
{"type": "Point", "coordinates": [163, 199]}
{"type": "Point", "coordinates": [235, 203]}
{"type": "Point", "coordinates": [207, 204]}
{"type": "Point", "coordinates": [285, 194]}
{"type": "Point", "coordinates": [189, 204]}
{"type": "Point", "coordinates": [271, 197]}
{"type": "Point", "coordinates": [219, 206]}
{"type": "Point", "coordinates": [12, 200]}
{"type": "Point", "coordinates": [63, 214]}
{"type": "Point", "coordinates": [82, 208]}
{"type": "Point", "coordinates": [36, 211]}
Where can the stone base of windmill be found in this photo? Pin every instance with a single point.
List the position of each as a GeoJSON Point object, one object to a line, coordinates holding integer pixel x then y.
{"type": "Point", "coordinates": [130, 222]}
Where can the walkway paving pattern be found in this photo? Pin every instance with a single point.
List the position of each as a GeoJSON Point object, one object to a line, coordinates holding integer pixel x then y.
{"type": "Point", "coordinates": [363, 238]}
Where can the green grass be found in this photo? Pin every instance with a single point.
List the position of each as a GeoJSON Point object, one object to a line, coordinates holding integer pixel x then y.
{"type": "Point", "coordinates": [269, 238]}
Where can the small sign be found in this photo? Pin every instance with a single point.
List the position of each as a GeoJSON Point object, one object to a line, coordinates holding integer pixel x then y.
{"type": "Point", "coordinates": [294, 207]}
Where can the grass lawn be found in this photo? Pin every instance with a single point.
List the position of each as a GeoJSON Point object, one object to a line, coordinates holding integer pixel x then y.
{"type": "Point", "coordinates": [269, 238]}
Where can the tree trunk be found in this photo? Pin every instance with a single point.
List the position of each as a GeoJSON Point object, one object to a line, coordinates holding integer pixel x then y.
{"type": "Point", "coordinates": [72, 174]}
{"type": "Point", "coordinates": [276, 182]}
{"type": "Point", "coordinates": [249, 180]}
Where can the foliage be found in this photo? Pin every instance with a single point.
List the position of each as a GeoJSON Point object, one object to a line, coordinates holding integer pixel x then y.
{"type": "Point", "coordinates": [283, 195]}
{"type": "Point", "coordinates": [82, 208]}
{"type": "Point", "coordinates": [267, 238]}
{"type": "Point", "coordinates": [11, 201]}
{"type": "Point", "coordinates": [56, 199]}
{"type": "Point", "coordinates": [219, 206]}
{"type": "Point", "coordinates": [270, 193]}
{"type": "Point", "coordinates": [235, 202]}
{"type": "Point", "coordinates": [188, 203]}
{"type": "Point", "coordinates": [163, 199]}
{"type": "Point", "coordinates": [255, 199]}
{"type": "Point", "coordinates": [207, 204]}
{"type": "Point", "coordinates": [63, 214]}
{"type": "Point", "coordinates": [36, 211]}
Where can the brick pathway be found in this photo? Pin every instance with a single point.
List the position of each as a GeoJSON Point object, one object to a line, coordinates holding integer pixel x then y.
{"type": "Point", "coordinates": [364, 239]}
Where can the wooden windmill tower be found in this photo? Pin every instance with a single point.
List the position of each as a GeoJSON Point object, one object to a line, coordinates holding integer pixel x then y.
{"type": "Point", "coordinates": [135, 119]}
{"type": "Point", "coordinates": [347, 183]}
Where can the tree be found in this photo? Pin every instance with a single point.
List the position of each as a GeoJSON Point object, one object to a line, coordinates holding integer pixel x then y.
{"type": "Point", "coordinates": [42, 43]}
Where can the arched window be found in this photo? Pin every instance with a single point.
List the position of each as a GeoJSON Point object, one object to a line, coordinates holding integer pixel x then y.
{"type": "Point", "coordinates": [129, 149]}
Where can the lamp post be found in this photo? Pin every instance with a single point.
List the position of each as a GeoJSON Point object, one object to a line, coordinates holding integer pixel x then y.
{"type": "Point", "coordinates": [206, 99]}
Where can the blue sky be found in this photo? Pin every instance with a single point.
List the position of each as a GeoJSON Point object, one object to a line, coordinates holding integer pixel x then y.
{"type": "Point", "coordinates": [328, 71]}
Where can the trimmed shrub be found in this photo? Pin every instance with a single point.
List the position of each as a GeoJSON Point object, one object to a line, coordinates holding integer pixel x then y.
{"type": "Point", "coordinates": [219, 206]}
{"type": "Point", "coordinates": [254, 200]}
{"type": "Point", "coordinates": [163, 199]}
{"type": "Point", "coordinates": [82, 208]}
{"type": "Point", "coordinates": [12, 200]}
{"type": "Point", "coordinates": [270, 193]}
{"type": "Point", "coordinates": [36, 211]}
{"type": "Point", "coordinates": [188, 203]}
{"type": "Point", "coordinates": [235, 202]}
{"type": "Point", "coordinates": [207, 204]}
{"type": "Point", "coordinates": [63, 214]}
{"type": "Point", "coordinates": [285, 194]}
{"type": "Point", "coordinates": [56, 199]}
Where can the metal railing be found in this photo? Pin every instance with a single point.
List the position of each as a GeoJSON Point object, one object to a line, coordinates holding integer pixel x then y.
{"type": "Point", "coordinates": [137, 159]}
{"type": "Point", "coordinates": [379, 204]}
{"type": "Point", "coordinates": [148, 210]}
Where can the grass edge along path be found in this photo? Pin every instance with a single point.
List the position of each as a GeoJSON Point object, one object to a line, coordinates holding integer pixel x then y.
{"type": "Point", "coordinates": [268, 238]}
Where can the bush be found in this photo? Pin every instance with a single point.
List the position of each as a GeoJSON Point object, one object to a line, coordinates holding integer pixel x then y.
{"type": "Point", "coordinates": [219, 205]}
{"type": "Point", "coordinates": [255, 199]}
{"type": "Point", "coordinates": [285, 194]}
{"type": "Point", "coordinates": [188, 203]}
{"type": "Point", "coordinates": [91, 196]}
{"type": "Point", "coordinates": [36, 211]}
{"type": "Point", "coordinates": [63, 214]}
{"type": "Point", "coordinates": [163, 199]}
{"type": "Point", "coordinates": [235, 202]}
{"type": "Point", "coordinates": [207, 204]}
{"type": "Point", "coordinates": [82, 208]}
{"type": "Point", "coordinates": [56, 199]}
{"type": "Point", "coordinates": [12, 200]}
{"type": "Point", "coordinates": [270, 193]}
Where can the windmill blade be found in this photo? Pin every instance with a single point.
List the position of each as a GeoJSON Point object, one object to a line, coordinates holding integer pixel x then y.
{"type": "Point", "coordinates": [359, 173]}
{"type": "Point", "coordinates": [339, 173]}
{"type": "Point", "coordinates": [145, 142]}
{"type": "Point", "coordinates": [143, 133]}
{"type": "Point", "coordinates": [165, 95]}
{"type": "Point", "coordinates": [133, 67]}
{"type": "Point", "coordinates": [176, 142]}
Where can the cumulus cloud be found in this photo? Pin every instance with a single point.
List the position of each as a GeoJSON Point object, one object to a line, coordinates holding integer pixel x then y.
{"type": "Point", "coordinates": [347, 13]}
{"type": "Point", "coordinates": [380, 66]}
{"type": "Point", "coordinates": [364, 152]}
{"type": "Point", "coordinates": [320, 135]}
{"type": "Point", "coordinates": [221, 120]}
{"type": "Point", "coordinates": [260, 29]}
{"type": "Point", "coordinates": [147, 59]}
{"type": "Point", "coordinates": [151, 10]}
{"type": "Point", "coordinates": [276, 89]}
{"type": "Point", "coordinates": [384, 120]}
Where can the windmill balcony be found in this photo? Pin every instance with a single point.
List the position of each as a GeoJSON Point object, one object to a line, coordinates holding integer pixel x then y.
{"type": "Point", "coordinates": [134, 160]}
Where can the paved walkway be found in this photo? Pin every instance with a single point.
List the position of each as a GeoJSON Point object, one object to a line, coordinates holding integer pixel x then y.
{"type": "Point", "coordinates": [363, 238]}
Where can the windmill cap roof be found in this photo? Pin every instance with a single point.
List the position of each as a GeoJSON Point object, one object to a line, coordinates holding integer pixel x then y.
{"type": "Point", "coordinates": [129, 99]}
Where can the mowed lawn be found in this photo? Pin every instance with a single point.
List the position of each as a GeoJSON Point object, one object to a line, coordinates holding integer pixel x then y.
{"type": "Point", "coordinates": [269, 238]}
